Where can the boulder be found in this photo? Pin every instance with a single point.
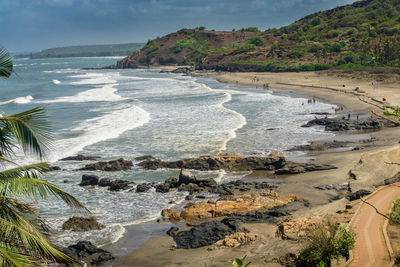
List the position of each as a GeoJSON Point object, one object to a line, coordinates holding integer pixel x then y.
{"type": "Point", "coordinates": [82, 249]}
{"type": "Point", "coordinates": [105, 182]}
{"type": "Point", "coordinates": [80, 224]}
{"type": "Point", "coordinates": [237, 239]}
{"type": "Point", "coordinates": [186, 177]}
{"type": "Point", "coordinates": [53, 168]}
{"type": "Point", "coordinates": [103, 257]}
{"type": "Point", "coordinates": [118, 185]}
{"type": "Point", "coordinates": [85, 249]}
{"type": "Point", "coordinates": [163, 188]}
{"type": "Point", "coordinates": [143, 187]}
{"type": "Point", "coordinates": [80, 158]}
{"type": "Point", "coordinates": [171, 215]}
{"type": "Point", "coordinates": [358, 194]}
{"type": "Point", "coordinates": [89, 180]}
{"type": "Point", "coordinates": [113, 165]}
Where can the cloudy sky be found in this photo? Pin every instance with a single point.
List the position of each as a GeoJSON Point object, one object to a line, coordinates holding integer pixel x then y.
{"type": "Point", "coordinates": [38, 24]}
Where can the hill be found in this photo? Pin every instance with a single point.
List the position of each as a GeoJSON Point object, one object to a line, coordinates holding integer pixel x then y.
{"type": "Point", "coordinates": [87, 51]}
{"type": "Point", "coordinates": [365, 33]}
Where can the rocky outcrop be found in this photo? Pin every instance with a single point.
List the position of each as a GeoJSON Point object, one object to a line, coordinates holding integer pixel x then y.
{"type": "Point", "coordinates": [276, 161]}
{"type": "Point", "coordinates": [171, 215]}
{"type": "Point", "coordinates": [337, 124]}
{"type": "Point", "coordinates": [80, 158]}
{"type": "Point", "coordinates": [358, 194]}
{"type": "Point", "coordinates": [89, 180]}
{"type": "Point", "coordinates": [237, 239]}
{"type": "Point", "coordinates": [85, 249]}
{"type": "Point", "coordinates": [80, 224]}
{"type": "Point", "coordinates": [113, 165]}
{"type": "Point", "coordinates": [104, 182]}
{"type": "Point", "coordinates": [298, 228]}
{"type": "Point", "coordinates": [296, 168]}
{"type": "Point", "coordinates": [118, 185]}
{"type": "Point", "coordinates": [229, 162]}
{"type": "Point", "coordinates": [239, 204]}
{"type": "Point", "coordinates": [206, 233]}
{"type": "Point", "coordinates": [145, 187]}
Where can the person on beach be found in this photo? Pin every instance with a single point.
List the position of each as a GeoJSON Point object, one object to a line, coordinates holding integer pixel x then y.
{"type": "Point", "coordinates": [313, 100]}
{"type": "Point", "coordinates": [349, 116]}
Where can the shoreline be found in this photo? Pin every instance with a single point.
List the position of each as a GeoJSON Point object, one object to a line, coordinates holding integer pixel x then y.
{"type": "Point", "coordinates": [162, 244]}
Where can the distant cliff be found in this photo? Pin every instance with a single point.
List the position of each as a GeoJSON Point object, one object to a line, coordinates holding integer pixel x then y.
{"type": "Point", "coordinates": [86, 51]}
{"type": "Point", "coordinates": [365, 33]}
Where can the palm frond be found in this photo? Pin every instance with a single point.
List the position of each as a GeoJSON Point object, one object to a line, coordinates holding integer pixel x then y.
{"type": "Point", "coordinates": [9, 256]}
{"type": "Point", "coordinates": [31, 242]}
{"type": "Point", "coordinates": [23, 181]}
{"type": "Point", "coordinates": [6, 63]}
{"type": "Point", "coordinates": [7, 142]}
{"type": "Point", "coordinates": [31, 128]}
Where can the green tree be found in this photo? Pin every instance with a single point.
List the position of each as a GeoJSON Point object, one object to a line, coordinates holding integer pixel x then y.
{"type": "Point", "coordinates": [23, 235]}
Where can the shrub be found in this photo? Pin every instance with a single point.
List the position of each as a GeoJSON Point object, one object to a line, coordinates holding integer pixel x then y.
{"type": "Point", "coordinates": [284, 36]}
{"type": "Point", "coordinates": [394, 213]}
{"type": "Point", "coordinates": [316, 21]}
{"type": "Point", "coordinates": [250, 29]}
{"type": "Point", "coordinates": [328, 241]}
{"type": "Point", "coordinates": [256, 40]}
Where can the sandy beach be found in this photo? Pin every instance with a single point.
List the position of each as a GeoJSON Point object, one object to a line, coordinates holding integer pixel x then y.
{"type": "Point", "coordinates": [368, 164]}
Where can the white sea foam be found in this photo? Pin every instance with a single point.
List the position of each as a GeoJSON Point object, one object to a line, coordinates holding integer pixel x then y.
{"type": "Point", "coordinates": [19, 100]}
{"type": "Point", "coordinates": [94, 130]}
{"type": "Point", "coordinates": [104, 92]}
{"type": "Point", "coordinates": [56, 82]}
{"type": "Point", "coordinates": [240, 122]}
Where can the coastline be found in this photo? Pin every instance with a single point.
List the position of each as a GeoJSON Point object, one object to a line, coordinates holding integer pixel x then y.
{"type": "Point", "coordinates": [159, 250]}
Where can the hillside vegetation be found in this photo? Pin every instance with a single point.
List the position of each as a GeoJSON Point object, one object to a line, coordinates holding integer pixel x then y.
{"type": "Point", "coordinates": [365, 33]}
{"type": "Point", "coordinates": [87, 51]}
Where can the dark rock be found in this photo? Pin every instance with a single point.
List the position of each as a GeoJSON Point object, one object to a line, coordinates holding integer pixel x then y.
{"type": "Point", "coordinates": [393, 179]}
{"type": "Point", "coordinates": [296, 168]}
{"type": "Point", "coordinates": [186, 177]}
{"type": "Point", "coordinates": [113, 165]}
{"type": "Point", "coordinates": [337, 124]}
{"type": "Point", "coordinates": [189, 197]}
{"type": "Point", "coordinates": [352, 175]}
{"type": "Point", "coordinates": [173, 182]}
{"type": "Point", "coordinates": [65, 181]}
{"type": "Point", "coordinates": [81, 158]}
{"type": "Point", "coordinates": [103, 257]}
{"type": "Point", "coordinates": [348, 206]}
{"type": "Point", "coordinates": [79, 224]}
{"type": "Point", "coordinates": [89, 180]}
{"type": "Point", "coordinates": [163, 188]}
{"type": "Point", "coordinates": [357, 195]}
{"type": "Point", "coordinates": [204, 234]}
{"type": "Point", "coordinates": [105, 182]}
{"type": "Point", "coordinates": [118, 185]}
{"type": "Point", "coordinates": [143, 187]}
{"type": "Point", "coordinates": [82, 249]}
{"type": "Point", "coordinates": [145, 157]}
{"type": "Point", "coordinates": [320, 146]}
{"type": "Point", "coordinates": [172, 231]}
{"type": "Point", "coordinates": [53, 168]}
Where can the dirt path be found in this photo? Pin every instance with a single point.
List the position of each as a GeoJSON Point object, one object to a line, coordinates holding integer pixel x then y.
{"type": "Point", "coordinates": [371, 249]}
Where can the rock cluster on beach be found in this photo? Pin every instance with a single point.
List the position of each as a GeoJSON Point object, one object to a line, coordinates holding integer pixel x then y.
{"type": "Point", "coordinates": [237, 204]}
{"type": "Point", "coordinates": [80, 224]}
{"type": "Point", "coordinates": [276, 162]}
{"type": "Point", "coordinates": [85, 249]}
{"type": "Point", "coordinates": [113, 165]}
{"type": "Point", "coordinates": [116, 185]}
{"type": "Point", "coordinates": [337, 124]}
{"type": "Point", "coordinates": [297, 228]}
{"type": "Point", "coordinates": [210, 232]}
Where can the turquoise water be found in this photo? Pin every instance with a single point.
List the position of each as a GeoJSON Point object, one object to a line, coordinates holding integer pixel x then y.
{"type": "Point", "coordinates": [130, 113]}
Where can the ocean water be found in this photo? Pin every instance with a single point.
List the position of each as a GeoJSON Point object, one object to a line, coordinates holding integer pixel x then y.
{"type": "Point", "coordinates": [130, 113]}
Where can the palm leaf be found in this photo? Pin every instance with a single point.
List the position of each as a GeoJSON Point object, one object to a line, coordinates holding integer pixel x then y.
{"type": "Point", "coordinates": [11, 257]}
{"type": "Point", "coordinates": [23, 181]}
{"type": "Point", "coordinates": [33, 242]}
{"type": "Point", "coordinates": [6, 64]}
{"type": "Point", "coordinates": [31, 128]}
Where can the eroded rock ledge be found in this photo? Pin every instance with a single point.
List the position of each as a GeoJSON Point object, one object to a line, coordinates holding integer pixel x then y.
{"type": "Point", "coordinates": [276, 161]}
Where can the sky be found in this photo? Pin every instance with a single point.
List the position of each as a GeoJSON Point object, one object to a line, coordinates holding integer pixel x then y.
{"type": "Point", "coordinates": [28, 26]}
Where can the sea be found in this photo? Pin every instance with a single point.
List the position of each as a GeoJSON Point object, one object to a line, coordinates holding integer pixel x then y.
{"type": "Point", "coordinates": [134, 112]}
